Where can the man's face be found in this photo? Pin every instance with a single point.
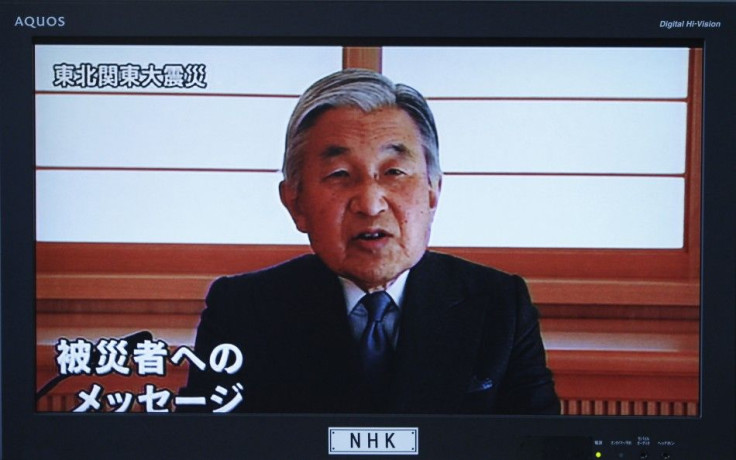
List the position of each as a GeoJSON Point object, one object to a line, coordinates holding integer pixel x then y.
{"type": "Point", "coordinates": [364, 197]}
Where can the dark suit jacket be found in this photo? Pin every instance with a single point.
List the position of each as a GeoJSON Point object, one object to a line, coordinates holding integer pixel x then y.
{"type": "Point", "coordinates": [468, 342]}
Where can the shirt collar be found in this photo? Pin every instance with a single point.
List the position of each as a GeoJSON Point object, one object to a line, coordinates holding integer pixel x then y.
{"type": "Point", "coordinates": [353, 293]}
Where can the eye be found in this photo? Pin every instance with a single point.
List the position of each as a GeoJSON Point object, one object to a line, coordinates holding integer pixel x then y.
{"type": "Point", "coordinates": [395, 172]}
{"type": "Point", "coordinates": [337, 174]}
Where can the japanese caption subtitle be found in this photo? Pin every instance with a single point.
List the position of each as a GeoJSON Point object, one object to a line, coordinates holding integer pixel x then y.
{"type": "Point", "coordinates": [129, 76]}
{"type": "Point", "coordinates": [82, 357]}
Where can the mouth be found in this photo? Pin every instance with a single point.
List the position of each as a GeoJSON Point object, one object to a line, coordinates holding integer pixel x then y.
{"type": "Point", "coordinates": [371, 235]}
{"type": "Point", "coordinates": [372, 239]}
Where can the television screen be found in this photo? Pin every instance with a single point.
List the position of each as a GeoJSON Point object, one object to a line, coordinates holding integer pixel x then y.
{"type": "Point", "coordinates": [186, 188]}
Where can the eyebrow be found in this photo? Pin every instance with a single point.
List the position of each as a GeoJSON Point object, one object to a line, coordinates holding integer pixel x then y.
{"type": "Point", "coordinates": [399, 148]}
{"type": "Point", "coordinates": [332, 151]}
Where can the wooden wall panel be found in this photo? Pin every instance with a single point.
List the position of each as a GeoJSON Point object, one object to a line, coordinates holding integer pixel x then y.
{"type": "Point", "coordinates": [191, 259]}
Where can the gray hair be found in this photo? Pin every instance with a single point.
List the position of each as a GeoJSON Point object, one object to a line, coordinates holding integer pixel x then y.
{"type": "Point", "coordinates": [368, 91]}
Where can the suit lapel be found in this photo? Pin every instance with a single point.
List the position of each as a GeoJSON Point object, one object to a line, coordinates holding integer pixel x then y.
{"type": "Point", "coordinates": [323, 317]}
{"type": "Point", "coordinates": [325, 353]}
{"type": "Point", "coordinates": [438, 341]}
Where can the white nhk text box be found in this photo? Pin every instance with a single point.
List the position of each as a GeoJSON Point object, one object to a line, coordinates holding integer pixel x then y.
{"type": "Point", "coordinates": [373, 441]}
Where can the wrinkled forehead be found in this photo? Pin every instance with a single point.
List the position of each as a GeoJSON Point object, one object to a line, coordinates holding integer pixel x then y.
{"type": "Point", "coordinates": [339, 130]}
{"type": "Point", "coordinates": [313, 116]}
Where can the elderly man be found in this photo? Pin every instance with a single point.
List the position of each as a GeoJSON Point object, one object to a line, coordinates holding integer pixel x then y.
{"type": "Point", "coordinates": [372, 322]}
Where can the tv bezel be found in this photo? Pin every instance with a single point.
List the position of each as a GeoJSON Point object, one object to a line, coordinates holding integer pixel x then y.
{"type": "Point", "coordinates": [30, 434]}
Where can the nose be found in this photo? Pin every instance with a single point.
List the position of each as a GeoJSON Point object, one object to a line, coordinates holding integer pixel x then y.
{"type": "Point", "coordinates": [369, 198]}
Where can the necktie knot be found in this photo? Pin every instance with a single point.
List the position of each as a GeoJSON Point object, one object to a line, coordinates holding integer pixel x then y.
{"type": "Point", "coordinates": [377, 304]}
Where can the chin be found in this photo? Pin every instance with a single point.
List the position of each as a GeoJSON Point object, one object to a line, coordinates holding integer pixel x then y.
{"type": "Point", "coordinates": [369, 280]}
{"type": "Point", "coordinates": [379, 276]}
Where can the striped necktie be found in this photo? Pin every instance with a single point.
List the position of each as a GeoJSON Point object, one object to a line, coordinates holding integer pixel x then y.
{"type": "Point", "coordinates": [375, 346]}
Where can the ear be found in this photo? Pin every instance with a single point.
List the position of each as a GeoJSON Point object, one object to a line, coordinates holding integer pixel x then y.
{"type": "Point", "coordinates": [435, 187]}
{"type": "Point", "coordinates": [290, 199]}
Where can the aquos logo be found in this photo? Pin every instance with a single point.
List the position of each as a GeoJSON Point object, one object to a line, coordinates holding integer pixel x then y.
{"type": "Point", "coordinates": [35, 22]}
